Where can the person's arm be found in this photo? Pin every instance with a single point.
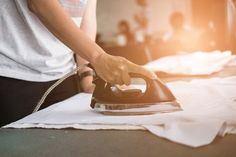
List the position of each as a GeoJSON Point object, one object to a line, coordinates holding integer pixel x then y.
{"type": "Point", "coordinates": [110, 68]}
{"type": "Point", "coordinates": [55, 18]}
{"type": "Point", "coordinates": [89, 27]}
{"type": "Point", "coordinates": [89, 24]}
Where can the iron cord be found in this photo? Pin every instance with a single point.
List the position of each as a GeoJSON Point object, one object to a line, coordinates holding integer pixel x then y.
{"type": "Point", "coordinates": [49, 90]}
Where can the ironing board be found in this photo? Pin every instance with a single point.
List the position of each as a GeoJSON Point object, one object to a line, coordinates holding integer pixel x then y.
{"type": "Point", "coordinates": [69, 142]}
{"type": "Point", "coordinates": [61, 143]}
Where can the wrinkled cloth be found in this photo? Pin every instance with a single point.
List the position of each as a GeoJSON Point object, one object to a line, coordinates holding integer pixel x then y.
{"type": "Point", "coordinates": [197, 63]}
{"type": "Point", "coordinates": [209, 109]}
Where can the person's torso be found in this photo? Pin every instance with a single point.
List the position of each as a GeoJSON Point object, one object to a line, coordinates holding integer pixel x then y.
{"type": "Point", "coordinates": [28, 50]}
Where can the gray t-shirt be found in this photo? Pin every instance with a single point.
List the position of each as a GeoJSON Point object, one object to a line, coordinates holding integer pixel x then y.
{"type": "Point", "coordinates": [28, 51]}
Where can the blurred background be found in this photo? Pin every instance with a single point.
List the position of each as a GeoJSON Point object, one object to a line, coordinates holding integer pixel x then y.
{"type": "Point", "coordinates": [145, 30]}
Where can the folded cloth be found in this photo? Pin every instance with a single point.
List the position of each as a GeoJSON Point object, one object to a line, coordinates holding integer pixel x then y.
{"type": "Point", "coordinates": [197, 63]}
{"type": "Point", "coordinates": [209, 109]}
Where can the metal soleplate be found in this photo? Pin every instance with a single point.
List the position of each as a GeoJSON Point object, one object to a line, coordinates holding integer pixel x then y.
{"type": "Point", "coordinates": [137, 108]}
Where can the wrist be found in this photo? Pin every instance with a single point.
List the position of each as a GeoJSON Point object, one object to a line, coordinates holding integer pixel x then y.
{"type": "Point", "coordinates": [95, 57]}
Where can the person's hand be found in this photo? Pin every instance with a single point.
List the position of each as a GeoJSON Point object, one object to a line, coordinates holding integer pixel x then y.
{"type": "Point", "coordinates": [87, 85]}
{"type": "Point", "coordinates": [86, 79]}
{"type": "Point", "coordinates": [115, 70]}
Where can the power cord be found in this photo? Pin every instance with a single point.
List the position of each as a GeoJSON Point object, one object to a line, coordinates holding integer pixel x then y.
{"type": "Point", "coordinates": [41, 101]}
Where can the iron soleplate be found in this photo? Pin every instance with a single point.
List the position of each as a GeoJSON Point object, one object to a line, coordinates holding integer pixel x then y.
{"type": "Point", "coordinates": [137, 108]}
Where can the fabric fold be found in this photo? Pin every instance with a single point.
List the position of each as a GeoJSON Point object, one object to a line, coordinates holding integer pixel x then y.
{"type": "Point", "coordinates": [209, 109]}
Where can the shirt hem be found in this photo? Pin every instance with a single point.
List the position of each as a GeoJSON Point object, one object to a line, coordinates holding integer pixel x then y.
{"type": "Point", "coordinates": [30, 77]}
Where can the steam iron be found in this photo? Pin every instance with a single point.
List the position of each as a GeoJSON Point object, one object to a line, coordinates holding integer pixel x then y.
{"type": "Point", "coordinates": [111, 100]}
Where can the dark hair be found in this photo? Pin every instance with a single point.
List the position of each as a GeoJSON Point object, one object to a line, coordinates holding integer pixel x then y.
{"type": "Point", "coordinates": [125, 24]}
{"type": "Point", "coordinates": [142, 2]}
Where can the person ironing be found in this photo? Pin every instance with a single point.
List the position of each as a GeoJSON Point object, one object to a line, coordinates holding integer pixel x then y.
{"type": "Point", "coordinates": [143, 19]}
{"type": "Point", "coordinates": [37, 39]}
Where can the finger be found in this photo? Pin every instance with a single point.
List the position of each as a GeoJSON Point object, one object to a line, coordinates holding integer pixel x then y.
{"type": "Point", "coordinates": [134, 68]}
{"type": "Point", "coordinates": [126, 78]}
{"type": "Point", "coordinates": [119, 80]}
{"type": "Point", "coordinates": [115, 78]}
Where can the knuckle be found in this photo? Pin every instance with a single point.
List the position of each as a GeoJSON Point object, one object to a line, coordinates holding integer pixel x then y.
{"type": "Point", "coordinates": [123, 60]}
{"type": "Point", "coordinates": [122, 67]}
{"type": "Point", "coordinates": [116, 74]}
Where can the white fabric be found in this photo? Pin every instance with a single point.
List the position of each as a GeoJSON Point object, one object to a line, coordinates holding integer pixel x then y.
{"type": "Point", "coordinates": [197, 63]}
{"type": "Point", "coordinates": [28, 51]}
{"type": "Point", "coordinates": [209, 109]}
